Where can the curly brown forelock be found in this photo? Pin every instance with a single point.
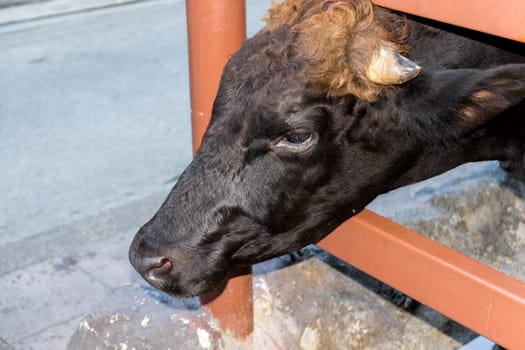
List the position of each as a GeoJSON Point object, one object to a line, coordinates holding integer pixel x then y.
{"type": "Point", "coordinates": [292, 12]}
{"type": "Point", "coordinates": [340, 42]}
{"type": "Point", "coordinates": [337, 39]}
{"type": "Point", "coordinates": [287, 12]}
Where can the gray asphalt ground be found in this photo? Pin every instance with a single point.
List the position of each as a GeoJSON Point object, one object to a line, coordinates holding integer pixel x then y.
{"type": "Point", "coordinates": [94, 113]}
{"type": "Point", "coordinates": [10, 3]}
{"type": "Point", "coordinates": [94, 131]}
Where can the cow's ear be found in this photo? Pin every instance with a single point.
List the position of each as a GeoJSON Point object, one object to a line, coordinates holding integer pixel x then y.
{"type": "Point", "coordinates": [454, 102]}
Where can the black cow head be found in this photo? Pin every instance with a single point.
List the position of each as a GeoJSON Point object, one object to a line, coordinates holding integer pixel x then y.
{"type": "Point", "coordinates": [288, 156]}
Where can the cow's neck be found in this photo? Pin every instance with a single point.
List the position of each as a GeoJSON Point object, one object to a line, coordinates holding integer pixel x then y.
{"type": "Point", "coordinates": [501, 139]}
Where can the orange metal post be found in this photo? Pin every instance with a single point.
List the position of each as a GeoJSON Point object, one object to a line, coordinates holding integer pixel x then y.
{"type": "Point", "coordinates": [216, 29]}
{"type": "Point", "coordinates": [478, 297]}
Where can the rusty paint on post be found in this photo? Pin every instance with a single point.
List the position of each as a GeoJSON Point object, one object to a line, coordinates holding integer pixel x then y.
{"type": "Point", "coordinates": [478, 297]}
{"type": "Point", "coordinates": [216, 29]}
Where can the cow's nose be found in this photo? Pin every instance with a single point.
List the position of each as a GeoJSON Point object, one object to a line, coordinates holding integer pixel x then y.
{"type": "Point", "coordinates": [158, 271]}
{"type": "Point", "coordinates": [155, 270]}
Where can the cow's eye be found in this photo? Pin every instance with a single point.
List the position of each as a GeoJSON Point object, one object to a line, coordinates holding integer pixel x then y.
{"type": "Point", "coordinates": [295, 141]}
{"type": "Point", "coordinates": [297, 137]}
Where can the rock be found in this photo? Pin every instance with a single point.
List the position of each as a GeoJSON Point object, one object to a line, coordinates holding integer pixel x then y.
{"type": "Point", "coordinates": [309, 303]}
{"type": "Point", "coordinates": [310, 339]}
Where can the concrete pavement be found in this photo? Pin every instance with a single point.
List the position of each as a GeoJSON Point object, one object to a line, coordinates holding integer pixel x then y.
{"type": "Point", "coordinates": [17, 11]}
{"type": "Point", "coordinates": [94, 113]}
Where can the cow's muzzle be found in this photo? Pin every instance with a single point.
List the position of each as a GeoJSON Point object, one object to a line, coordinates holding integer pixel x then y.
{"type": "Point", "coordinates": [156, 271]}
{"type": "Point", "coordinates": [154, 268]}
{"type": "Point", "coordinates": [173, 270]}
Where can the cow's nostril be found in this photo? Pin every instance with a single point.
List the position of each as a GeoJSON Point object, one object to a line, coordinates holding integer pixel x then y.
{"type": "Point", "coordinates": [160, 271]}
{"type": "Point", "coordinates": [164, 267]}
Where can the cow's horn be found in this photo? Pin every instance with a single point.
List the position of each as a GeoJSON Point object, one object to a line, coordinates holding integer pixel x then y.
{"type": "Point", "coordinates": [388, 67]}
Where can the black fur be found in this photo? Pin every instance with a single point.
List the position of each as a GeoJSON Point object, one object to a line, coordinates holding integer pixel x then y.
{"type": "Point", "coordinates": [241, 201]}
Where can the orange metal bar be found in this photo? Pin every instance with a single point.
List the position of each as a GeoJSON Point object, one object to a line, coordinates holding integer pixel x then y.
{"type": "Point", "coordinates": [216, 30]}
{"type": "Point", "coordinates": [497, 17]}
{"type": "Point", "coordinates": [478, 297]}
